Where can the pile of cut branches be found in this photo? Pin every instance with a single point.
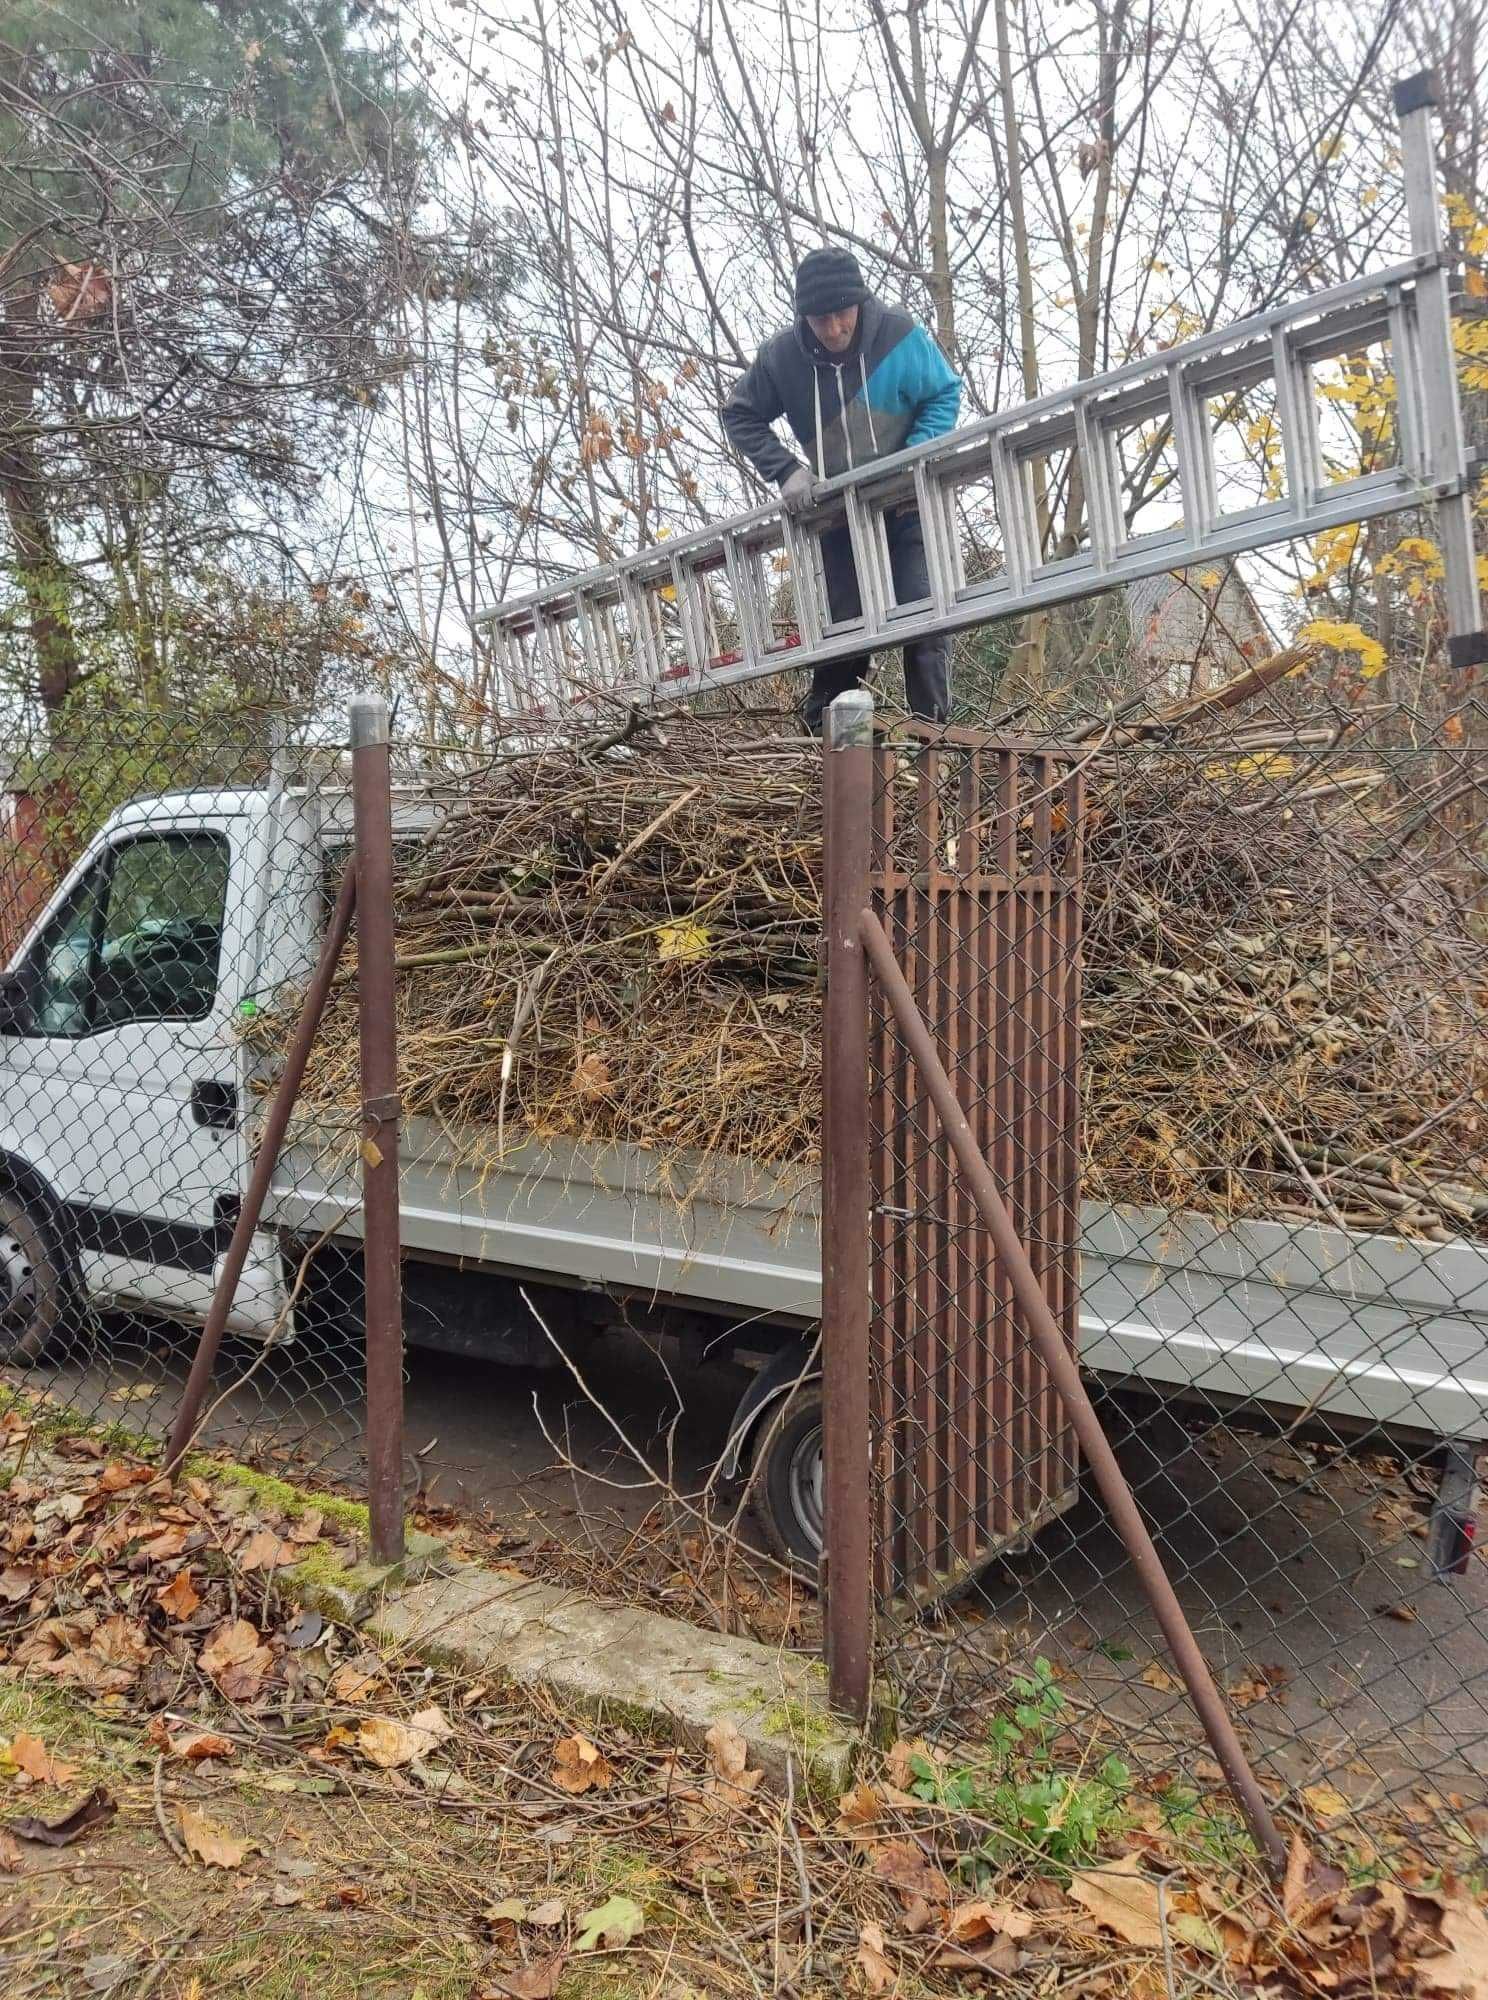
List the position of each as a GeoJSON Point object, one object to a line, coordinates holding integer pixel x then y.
{"type": "Point", "coordinates": [1284, 1008]}
{"type": "Point", "coordinates": [615, 947]}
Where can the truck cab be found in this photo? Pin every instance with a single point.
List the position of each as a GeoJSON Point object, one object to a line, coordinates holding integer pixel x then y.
{"type": "Point", "coordinates": [123, 1073]}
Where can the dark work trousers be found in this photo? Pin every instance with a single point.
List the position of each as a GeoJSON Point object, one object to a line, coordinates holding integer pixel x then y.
{"type": "Point", "coordinates": [927, 662]}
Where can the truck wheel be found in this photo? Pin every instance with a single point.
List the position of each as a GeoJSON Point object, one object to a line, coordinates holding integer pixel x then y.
{"type": "Point", "coordinates": [32, 1292]}
{"type": "Point", "coordinates": [787, 1479]}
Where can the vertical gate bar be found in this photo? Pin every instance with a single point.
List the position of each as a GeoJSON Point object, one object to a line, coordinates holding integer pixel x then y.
{"type": "Point", "coordinates": [965, 1400]}
{"type": "Point", "coordinates": [1039, 1325]}
{"type": "Point", "coordinates": [1000, 1356]}
{"type": "Point", "coordinates": [984, 1298]}
{"type": "Point", "coordinates": [1047, 1102]}
{"type": "Point", "coordinates": [925, 983]}
{"type": "Point", "coordinates": [276, 1124]}
{"type": "Point", "coordinates": [1072, 960]}
{"type": "Point", "coordinates": [847, 805]}
{"type": "Point", "coordinates": [382, 1261]}
{"type": "Point", "coordinates": [1446, 448]}
{"type": "Point", "coordinates": [899, 1126]}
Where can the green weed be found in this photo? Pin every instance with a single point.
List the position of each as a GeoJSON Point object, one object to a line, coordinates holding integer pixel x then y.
{"type": "Point", "coordinates": [1028, 1810]}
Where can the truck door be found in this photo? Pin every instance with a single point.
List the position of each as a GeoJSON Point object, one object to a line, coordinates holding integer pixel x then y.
{"type": "Point", "coordinates": [120, 1086]}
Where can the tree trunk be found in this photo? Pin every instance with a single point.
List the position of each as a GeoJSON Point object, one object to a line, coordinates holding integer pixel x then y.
{"type": "Point", "coordinates": [42, 574]}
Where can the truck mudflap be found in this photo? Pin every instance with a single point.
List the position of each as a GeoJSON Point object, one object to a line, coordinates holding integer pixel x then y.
{"type": "Point", "coordinates": [1452, 1535]}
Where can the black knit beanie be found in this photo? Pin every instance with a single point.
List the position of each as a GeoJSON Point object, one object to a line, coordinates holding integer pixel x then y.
{"type": "Point", "coordinates": [827, 281]}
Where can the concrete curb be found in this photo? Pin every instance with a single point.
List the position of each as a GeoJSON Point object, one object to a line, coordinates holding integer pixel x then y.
{"type": "Point", "coordinates": [616, 1663]}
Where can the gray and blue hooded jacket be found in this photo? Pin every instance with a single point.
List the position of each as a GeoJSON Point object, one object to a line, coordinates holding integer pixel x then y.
{"type": "Point", "coordinates": [892, 388]}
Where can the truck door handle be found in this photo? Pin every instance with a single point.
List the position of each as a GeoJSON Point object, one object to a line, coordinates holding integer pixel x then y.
{"type": "Point", "coordinates": [215, 1105]}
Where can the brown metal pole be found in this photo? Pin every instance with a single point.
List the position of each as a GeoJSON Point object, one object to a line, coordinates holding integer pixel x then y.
{"type": "Point", "coordinates": [847, 804]}
{"type": "Point", "coordinates": [276, 1123]}
{"type": "Point", "coordinates": [382, 1262]}
{"type": "Point", "coordinates": [1043, 1329]}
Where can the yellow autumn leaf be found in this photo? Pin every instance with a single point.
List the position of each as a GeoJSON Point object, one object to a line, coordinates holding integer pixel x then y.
{"type": "Point", "coordinates": [1210, 580]}
{"type": "Point", "coordinates": [686, 941]}
{"type": "Point", "coordinates": [1369, 197]}
{"type": "Point", "coordinates": [1342, 636]}
{"type": "Point", "coordinates": [1460, 211]}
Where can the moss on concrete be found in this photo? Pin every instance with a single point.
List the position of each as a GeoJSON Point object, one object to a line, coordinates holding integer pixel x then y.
{"type": "Point", "coordinates": [325, 1579]}
{"type": "Point", "coordinates": [290, 1501]}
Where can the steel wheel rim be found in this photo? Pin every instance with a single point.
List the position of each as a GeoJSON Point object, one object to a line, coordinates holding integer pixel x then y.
{"type": "Point", "coordinates": [804, 1483]}
{"type": "Point", "coordinates": [17, 1286]}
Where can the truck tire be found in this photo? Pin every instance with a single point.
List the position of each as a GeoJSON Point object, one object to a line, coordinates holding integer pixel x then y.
{"type": "Point", "coordinates": [33, 1291]}
{"type": "Point", "coordinates": [786, 1480]}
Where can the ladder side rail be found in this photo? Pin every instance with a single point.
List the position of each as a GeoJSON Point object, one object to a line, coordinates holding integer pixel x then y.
{"type": "Point", "coordinates": [1445, 443]}
{"type": "Point", "coordinates": [1055, 402]}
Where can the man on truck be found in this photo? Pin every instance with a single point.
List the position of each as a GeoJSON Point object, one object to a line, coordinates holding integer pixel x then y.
{"type": "Point", "coordinates": [856, 379]}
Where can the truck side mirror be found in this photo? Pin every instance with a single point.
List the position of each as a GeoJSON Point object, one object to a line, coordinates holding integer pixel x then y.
{"type": "Point", "coordinates": [17, 1007]}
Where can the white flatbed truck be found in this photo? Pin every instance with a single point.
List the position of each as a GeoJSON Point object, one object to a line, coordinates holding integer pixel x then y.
{"type": "Point", "coordinates": [127, 1095]}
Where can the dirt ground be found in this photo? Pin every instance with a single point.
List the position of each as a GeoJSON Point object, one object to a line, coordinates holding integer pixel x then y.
{"type": "Point", "coordinates": [207, 1789]}
{"type": "Point", "coordinates": [1301, 1567]}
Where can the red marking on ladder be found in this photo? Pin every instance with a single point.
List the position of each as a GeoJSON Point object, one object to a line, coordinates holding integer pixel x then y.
{"type": "Point", "coordinates": [792, 638]}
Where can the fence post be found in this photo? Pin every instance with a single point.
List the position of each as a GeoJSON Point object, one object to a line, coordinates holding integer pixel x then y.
{"type": "Point", "coordinates": [371, 794]}
{"type": "Point", "coordinates": [847, 1555]}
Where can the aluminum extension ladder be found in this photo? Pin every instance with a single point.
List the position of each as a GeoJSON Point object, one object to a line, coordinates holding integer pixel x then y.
{"type": "Point", "coordinates": [711, 607]}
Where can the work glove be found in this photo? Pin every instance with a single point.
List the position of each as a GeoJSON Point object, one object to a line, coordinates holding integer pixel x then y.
{"type": "Point", "coordinates": [797, 489]}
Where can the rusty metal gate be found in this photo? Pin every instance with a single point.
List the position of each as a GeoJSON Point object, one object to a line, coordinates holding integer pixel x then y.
{"type": "Point", "coordinates": [976, 878]}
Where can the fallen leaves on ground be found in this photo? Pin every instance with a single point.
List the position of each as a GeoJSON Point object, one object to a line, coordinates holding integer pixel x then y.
{"type": "Point", "coordinates": [525, 1982]}
{"type": "Point", "coordinates": [237, 1659]}
{"type": "Point", "coordinates": [613, 1924]}
{"type": "Point", "coordinates": [1260, 1684]}
{"type": "Point", "coordinates": [264, 1549]}
{"type": "Point", "coordinates": [29, 1754]}
{"type": "Point", "coordinates": [903, 1756]}
{"type": "Point", "coordinates": [1121, 1898]}
{"type": "Point", "coordinates": [579, 1767]}
{"type": "Point", "coordinates": [179, 1597]}
{"type": "Point", "coordinates": [193, 1746]}
{"type": "Point", "coordinates": [96, 1810]}
{"type": "Point", "coordinates": [388, 1744]}
{"type": "Point", "coordinates": [906, 1867]}
{"type": "Point", "coordinates": [728, 1753]}
{"type": "Point", "coordinates": [858, 1809]}
{"type": "Point", "coordinates": [980, 1920]}
{"type": "Point", "coordinates": [1326, 1801]}
{"type": "Point", "coordinates": [873, 1966]}
{"type": "Point", "coordinates": [212, 1845]}
{"type": "Point", "coordinates": [357, 1680]}
{"type": "Point", "coordinates": [1463, 1966]}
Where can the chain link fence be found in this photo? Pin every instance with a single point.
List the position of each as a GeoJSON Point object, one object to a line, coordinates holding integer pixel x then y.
{"type": "Point", "coordinates": [163, 886]}
{"type": "Point", "coordinates": [1275, 1003]}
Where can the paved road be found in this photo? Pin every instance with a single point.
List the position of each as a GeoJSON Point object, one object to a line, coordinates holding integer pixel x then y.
{"type": "Point", "coordinates": [1302, 1572]}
